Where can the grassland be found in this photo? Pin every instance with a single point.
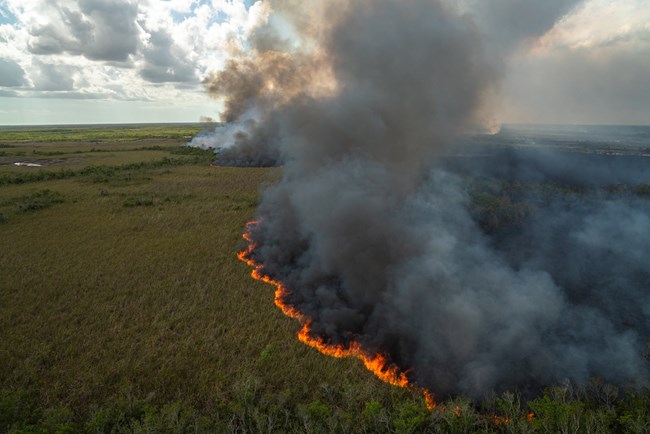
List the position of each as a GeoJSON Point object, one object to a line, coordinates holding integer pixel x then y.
{"type": "Point", "coordinates": [71, 135]}
{"type": "Point", "coordinates": [124, 309]}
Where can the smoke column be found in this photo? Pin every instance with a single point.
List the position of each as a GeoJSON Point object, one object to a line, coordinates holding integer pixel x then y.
{"type": "Point", "coordinates": [371, 233]}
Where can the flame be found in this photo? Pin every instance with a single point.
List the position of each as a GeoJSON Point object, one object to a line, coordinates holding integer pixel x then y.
{"type": "Point", "coordinates": [429, 399]}
{"type": "Point", "coordinates": [378, 363]}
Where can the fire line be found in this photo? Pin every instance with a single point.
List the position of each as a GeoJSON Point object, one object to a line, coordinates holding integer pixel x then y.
{"type": "Point", "coordinates": [377, 363]}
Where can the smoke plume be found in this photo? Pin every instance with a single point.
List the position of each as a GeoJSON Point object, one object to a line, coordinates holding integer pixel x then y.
{"type": "Point", "coordinates": [372, 232]}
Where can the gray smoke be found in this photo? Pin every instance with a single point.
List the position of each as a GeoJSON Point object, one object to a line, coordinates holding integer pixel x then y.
{"type": "Point", "coordinates": [509, 22]}
{"type": "Point", "coordinates": [372, 232]}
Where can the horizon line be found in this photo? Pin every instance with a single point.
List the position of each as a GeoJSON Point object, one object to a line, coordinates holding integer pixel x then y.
{"type": "Point", "coordinates": [504, 124]}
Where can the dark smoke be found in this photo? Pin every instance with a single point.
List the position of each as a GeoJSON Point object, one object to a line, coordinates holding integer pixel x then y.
{"type": "Point", "coordinates": [372, 231]}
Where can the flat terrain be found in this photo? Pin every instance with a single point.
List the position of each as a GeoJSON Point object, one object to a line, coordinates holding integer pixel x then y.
{"type": "Point", "coordinates": [120, 279]}
{"type": "Point", "coordinates": [123, 307]}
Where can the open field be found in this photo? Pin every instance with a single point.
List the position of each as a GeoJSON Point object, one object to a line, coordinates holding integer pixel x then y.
{"type": "Point", "coordinates": [123, 308]}
{"type": "Point", "coordinates": [71, 135]}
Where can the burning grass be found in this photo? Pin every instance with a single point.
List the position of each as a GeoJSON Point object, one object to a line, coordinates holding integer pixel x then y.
{"type": "Point", "coordinates": [377, 363]}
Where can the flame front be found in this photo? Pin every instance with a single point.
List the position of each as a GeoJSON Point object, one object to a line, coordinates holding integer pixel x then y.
{"type": "Point", "coordinates": [377, 363]}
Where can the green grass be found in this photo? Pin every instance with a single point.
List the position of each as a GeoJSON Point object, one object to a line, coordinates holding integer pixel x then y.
{"type": "Point", "coordinates": [34, 201]}
{"type": "Point", "coordinates": [130, 286]}
{"type": "Point", "coordinates": [69, 148]}
{"type": "Point", "coordinates": [124, 309]}
{"type": "Point", "coordinates": [97, 133]}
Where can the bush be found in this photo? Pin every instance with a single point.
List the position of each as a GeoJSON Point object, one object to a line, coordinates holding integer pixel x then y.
{"type": "Point", "coordinates": [197, 152]}
{"type": "Point", "coordinates": [494, 212]}
{"type": "Point", "coordinates": [17, 409]}
{"type": "Point", "coordinates": [558, 411]}
{"type": "Point", "coordinates": [39, 200]}
{"type": "Point", "coordinates": [133, 202]}
{"type": "Point", "coordinates": [410, 417]}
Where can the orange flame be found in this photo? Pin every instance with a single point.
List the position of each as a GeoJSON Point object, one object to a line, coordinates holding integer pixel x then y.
{"type": "Point", "coordinates": [379, 364]}
{"type": "Point", "coordinates": [428, 399]}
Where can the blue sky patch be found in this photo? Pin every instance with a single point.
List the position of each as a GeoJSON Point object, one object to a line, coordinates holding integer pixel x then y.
{"type": "Point", "coordinates": [179, 17]}
{"type": "Point", "coordinates": [219, 18]}
{"type": "Point", "coordinates": [6, 17]}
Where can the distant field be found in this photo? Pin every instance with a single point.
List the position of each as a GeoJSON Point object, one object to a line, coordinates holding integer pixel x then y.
{"type": "Point", "coordinates": [98, 133]}
{"type": "Point", "coordinates": [123, 307]}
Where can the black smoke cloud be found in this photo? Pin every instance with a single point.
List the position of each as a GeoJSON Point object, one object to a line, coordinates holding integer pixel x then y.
{"type": "Point", "coordinates": [371, 230]}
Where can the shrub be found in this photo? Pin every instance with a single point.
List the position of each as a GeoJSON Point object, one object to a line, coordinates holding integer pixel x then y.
{"type": "Point", "coordinates": [493, 212]}
{"type": "Point", "coordinates": [133, 202]}
{"type": "Point", "coordinates": [39, 200]}
{"type": "Point", "coordinates": [410, 417]}
{"type": "Point", "coordinates": [557, 411]}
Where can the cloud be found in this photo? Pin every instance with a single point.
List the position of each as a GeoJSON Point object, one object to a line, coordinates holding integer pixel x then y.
{"type": "Point", "coordinates": [74, 95]}
{"type": "Point", "coordinates": [122, 49]}
{"type": "Point", "coordinates": [97, 29]}
{"type": "Point", "coordinates": [151, 49]}
{"type": "Point", "coordinates": [11, 74]}
{"type": "Point", "coordinates": [49, 77]}
{"type": "Point", "coordinates": [7, 93]}
{"type": "Point", "coordinates": [508, 22]}
{"type": "Point", "coordinates": [600, 23]}
{"type": "Point", "coordinates": [165, 61]}
{"type": "Point", "coordinates": [591, 67]}
{"type": "Point", "coordinates": [581, 86]}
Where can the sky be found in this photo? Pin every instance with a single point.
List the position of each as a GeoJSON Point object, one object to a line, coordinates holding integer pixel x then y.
{"type": "Point", "coordinates": [115, 61]}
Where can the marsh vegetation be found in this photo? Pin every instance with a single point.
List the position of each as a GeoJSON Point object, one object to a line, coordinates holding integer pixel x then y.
{"type": "Point", "coordinates": [124, 309]}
